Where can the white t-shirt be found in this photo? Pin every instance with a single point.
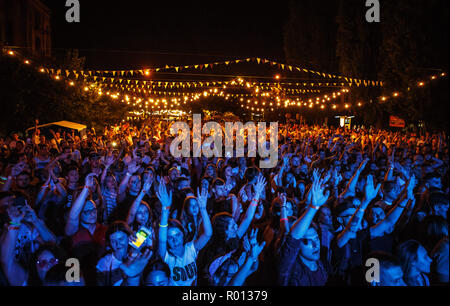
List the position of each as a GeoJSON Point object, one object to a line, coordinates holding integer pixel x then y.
{"type": "Point", "coordinates": [183, 270]}
{"type": "Point", "coordinates": [110, 264]}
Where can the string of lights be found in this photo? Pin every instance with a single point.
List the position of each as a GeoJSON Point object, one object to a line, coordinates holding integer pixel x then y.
{"type": "Point", "coordinates": [259, 96]}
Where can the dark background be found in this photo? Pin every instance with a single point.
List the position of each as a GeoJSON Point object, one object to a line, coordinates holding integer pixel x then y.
{"type": "Point", "coordinates": [139, 33]}
{"type": "Point", "coordinates": [408, 46]}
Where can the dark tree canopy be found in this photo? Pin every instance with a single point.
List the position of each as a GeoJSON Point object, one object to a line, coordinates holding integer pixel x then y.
{"type": "Point", "coordinates": [409, 45]}
{"type": "Point", "coordinates": [27, 95]}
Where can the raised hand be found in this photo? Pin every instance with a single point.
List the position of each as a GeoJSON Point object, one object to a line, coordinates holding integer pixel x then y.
{"type": "Point", "coordinates": [255, 248]}
{"type": "Point", "coordinates": [89, 182]}
{"type": "Point", "coordinates": [260, 185]}
{"type": "Point", "coordinates": [202, 198]}
{"type": "Point", "coordinates": [135, 266]}
{"type": "Point", "coordinates": [282, 197]}
{"type": "Point", "coordinates": [109, 161]}
{"type": "Point", "coordinates": [30, 215]}
{"type": "Point", "coordinates": [164, 197]}
{"type": "Point", "coordinates": [410, 188]}
{"type": "Point", "coordinates": [133, 167]}
{"type": "Point", "coordinates": [147, 184]}
{"type": "Point", "coordinates": [318, 195]}
{"type": "Point", "coordinates": [337, 177]}
{"type": "Point", "coordinates": [370, 192]}
{"type": "Point", "coordinates": [253, 237]}
{"type": "Point", "coordinates": [16, 214]}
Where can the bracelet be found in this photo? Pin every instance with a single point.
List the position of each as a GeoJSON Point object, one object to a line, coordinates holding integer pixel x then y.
{"type": "Point", "coordinates": [163, 225]}
{"type": "Point", "coordinates": [254, 203]}
{"type": "Point", "coordinates": [14, 224]}
{"type": "Point", "coordinates": [44, 186]}
{"type": "Point", "coordinates": [284, 219]}
{"type": "Point", "coordinates": [13, 228]}
{"type": "Point", "coordinates": [166, 207]}
{"type": "Point", "coordinates": [314, 207]}
{"type": "Point", "coordinates": [129, 174]}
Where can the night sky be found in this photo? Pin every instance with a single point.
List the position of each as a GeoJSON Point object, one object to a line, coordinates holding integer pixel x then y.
{"type": "Point", "coordinates": [136, 33]}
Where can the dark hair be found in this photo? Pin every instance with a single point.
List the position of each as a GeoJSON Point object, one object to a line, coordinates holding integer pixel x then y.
{"type": "Point", "coordinates": [220, 276]}
{"type": "Point", "coordinates": [117, 226]}
{"type": "Point", "coordinates": [437, 198]}
{"type": "Point", "coordinates": [180, 179]}
{"type": "Point", "coordinates": [186, 172]}
{"type": "Point", "coordinates": [220, 223]}
{"type": "Point", "coordinates": [386, 260]}
{"type": "Point", "coordinates": [186, 218]}
{"type": "Point", "coordinates": [251, 173]}
{"type": "Point", "coordinates": [218, 182]}
{"type": "Point", "coordinates": [56, 276]}
{"type": "Point", "coordinates": [388, 186]}
{"type": "Point", "coordinates": [407, 254]}
{"type": "Point", "coordinates": [58, 252]}
{"type": "Point", "coordinates": [72, 168]}
{"type": "Point", "coordinates": [431, 231]}
{"type": "Point", "coordinates": [156, 265]}
{"type": "Point", "coordinates": [177, 224]}
{"type": "Point", "coordinates": [150, 216]}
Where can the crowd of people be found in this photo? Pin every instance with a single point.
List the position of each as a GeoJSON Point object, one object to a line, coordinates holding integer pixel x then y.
{"type": "Point", "coordinates": [131, 214]}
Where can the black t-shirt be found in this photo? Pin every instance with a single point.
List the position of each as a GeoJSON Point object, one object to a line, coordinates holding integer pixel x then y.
{"type": "Point", "coordinates": [384, 244]}
{"type": "Point", "coordinates": [292, 270]}
{"type": "Point", "coordinates": [348, 260]}
{"type": "Point", "coordinates": [3, 279]}
{"type": "Point", "coordinates": [4, 219]}
{"type": "Point", "coordinates": [124, 207]}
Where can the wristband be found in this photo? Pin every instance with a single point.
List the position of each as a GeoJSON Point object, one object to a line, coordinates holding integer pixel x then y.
{"type": "Point", "coordinates": [166, 208]}
{"type": "Point", "coordinates": [314, 207]}
{"type": "Point", "coordinates": [284, 219]}
{"type": "Point", "coordinates": [44, 186]}
{"type": "Point", "coordinates": [129, 174]}
{"type": "Point", "coordinates": [14, 224]}
{"type": "Point", "coordinates": [13, 228]}
{"type": "Point", "coordinates": [163, 225]}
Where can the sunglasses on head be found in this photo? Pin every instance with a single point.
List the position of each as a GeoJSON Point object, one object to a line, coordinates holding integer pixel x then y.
{"type": "Point", "coordinates": [44, 262]}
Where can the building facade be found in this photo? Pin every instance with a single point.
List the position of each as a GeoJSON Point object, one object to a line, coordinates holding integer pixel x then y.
{"type": "Point", "coordinates": [25, 27]}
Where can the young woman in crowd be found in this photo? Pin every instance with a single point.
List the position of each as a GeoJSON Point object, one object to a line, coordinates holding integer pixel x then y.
{"type": "Point", "coordinates": [336, 196]}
